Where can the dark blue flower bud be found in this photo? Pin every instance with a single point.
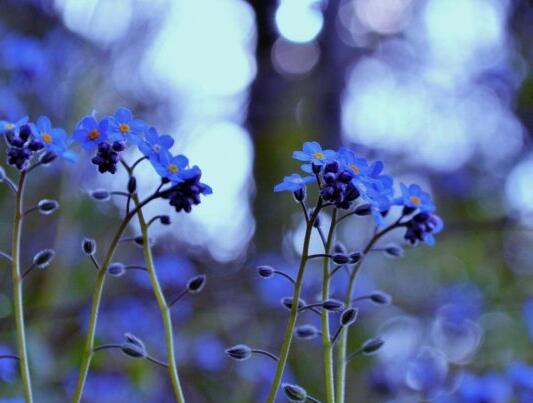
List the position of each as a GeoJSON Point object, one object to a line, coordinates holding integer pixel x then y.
{"type": "Point", "coordinates": [265, 271]}
{"type": "Point", "coordinates": [340, 258]}
{"type": "Point", "coordinates": [240, 352]}
{"type": "Point", "coordinates": [339, 248]}
{"type": "Point", "coordinates": [132, 185]}
{"type": "Point", "coordinates": [300, 195]}
{"type": "Point", "coordinates": [363, 209]}
{"type": "Point", "coordinates": [345, 177]}
{"type": "Point", "coordinates": [348, 316]}
{"type": "Point", "coordinates": [133, 350]}
{"type": "Point", "coordinates": [286, 302]}
{"type": "Point", "coordinates": [372, 345]}
{"type": "Point", "coordinates": [316, 223]}
{"type": "Point", "coordinates": [116, 269]}
{"type": "Point", "coordinates": [25, 132]}
{"type": "Point", "coordinates": [47, 207]}
{"type": "Point", "coordinates": [332, 305]}
{"type": "Point", "coordinates": [393, 250]}
{"type": "Point", "coordinates": [294, 393]}
{"type": "Point", "coordinates": [306, 332]}
{"type": "Point", "coordinates": [196, 284]}
{"type": "Point", "coordinates": [100, 195]}
{"type": "Point", "coordinates": [407, 210]}
{"type": "Point", "coordinates": [380, 298]}
{"type": "Point", "coordinates": [118, 146]}
{"type": "Point", "coordinates": [130, 338]}
{"type": "Point", "coordinates": [355, 257]}
{"type": "Point", "coordinates": [47, 157]}
{"type": "Point", "coordinates": [43, 258]}
{"type": "Point", "coordinates": [332, 166]}
{"type": "Point", "coordinates": [165, 220]}
{"type": "Point", "coordinates": [88, 246]}
{"type": "Point", "coordinates": [316, 168]}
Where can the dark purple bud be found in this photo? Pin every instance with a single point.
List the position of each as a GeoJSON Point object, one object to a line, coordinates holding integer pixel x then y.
{"type": "Point", "coordinates": [116, 269]}
{"type": "Point", "coordinates": [393, 250]}
{"type": "Point", "coordinates": [47, 157]}
{"type": "Point", "coordinates": [306, 332]}
{"type": "Point", "coordinates": [42, 259]}
{"type": "Point", "coordinates": [330, 178]}
{"type": "Point", "coordinates": [348, 317]}
{"type": "Point", "coordinates": [300, 194]}
{"type": "Point", "coordinates": [345, 177]}
{"type": "Point", "coordinates": [138, 240]}
{"type": "Point", "coordinates": [88, 246]}
{"type": "Point", "coordinates": [196, 284]}
{"type": "Point", "coordinates": [372, 345]}
{"type": "Point", "coordinates": [165, 220]}
{"type": "Point", "coordinates": [340, 258]}
{"type": "Point", "coordinates": [286, 302]}
{"type": "Point", "coordinates": [47, 207]}
{"type": "Point", "coordinates": [265, 271]}
{"type": "Point", "coordinates": [294, 393]}
{"type": "Point", "coordinates": [407, 210]}
{"type": "Point", "coordinates": [332, 166]}
{"type": "Point", "coordinates": [130, 338]}
{"type": "Point", "coordinates": [133, 350]}
{"type": "Point", "coordinates": [333, 305]}
{"type": "Point", "coordinates": [380, 298]}
{"type": "Point", "coordinates": [363, 209]}
{"type": "Point", "coordinates": [240, 352]}
{"type": "Point", "coordinates": [118, 146]}
{"type": "Point", "coordinates": [101, 195]}
{"type": "Point", "coordinates": [132, 185]}
{"type": "Point", "coordinates": [355, 257]}
{"type": "Point", "coordinates": [35, 145]}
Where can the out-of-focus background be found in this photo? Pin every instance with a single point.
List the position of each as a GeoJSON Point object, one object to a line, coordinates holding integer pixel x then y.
{"type": "Point", "coordinates": [441, 90]}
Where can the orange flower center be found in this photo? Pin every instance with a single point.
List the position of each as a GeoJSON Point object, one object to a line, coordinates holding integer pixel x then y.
{"type": "Point", "coordinates": [173, 168]}
{"type": "Point", "coordinates": [47, 138]}
{"type": "Point", "coordinates": [10, 126]}
{"type": "Point", "coordinates": [355, 169]}
{"type": "Point", "coordinates": [124, 128]}
{"type": "Point", "coordinates": [94, 134]}
{"type": "Point", "coordinates": [319, 155]}
{"type": "Point", "coordinates": [415, 200]}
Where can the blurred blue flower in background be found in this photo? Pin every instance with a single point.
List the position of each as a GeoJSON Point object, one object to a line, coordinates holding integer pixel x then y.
{"type": "Point", "coordinates": [492, 387]}
{"type": "Point", "coordinates": [8, 366]}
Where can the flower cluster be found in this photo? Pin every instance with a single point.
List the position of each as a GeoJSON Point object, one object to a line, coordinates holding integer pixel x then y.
{"type": "Point", "coordinates": [107, 138]}
{"type": "Point", "coordinates": [348, 182]}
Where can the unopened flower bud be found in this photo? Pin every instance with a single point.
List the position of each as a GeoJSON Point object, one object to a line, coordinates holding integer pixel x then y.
{"type": "Point", "coordinates": [300, 194]}
{"type": "Point", "coordinates": [47, 207]}
{"type": "Point", "coordinates": [101, 195]}
{"type": "Point", "coordinates": [132, 185]}
{"type": "Point", "coordinates": [240, 352]}
{"type": "Point", "coordinates": [286, 302]}
{"type": "Point", "coordinates": [340, 258]}
{"type": "Point", "coordinates": [116, 269]}
{"type": "Point", "coordinates": [380, 298]}
{"type": "Point", "coordinates": [355, 257]}
{"type": "Point", "coordinates": [306, 332]}
{"type": "Point", "coordinates": [363, 209]}
{"type": "Point", "coordinates": [294, 393]}
{"type": "Point", "coordinates": [47, 157]}
{"type": "Point", "coordinates": [372, 345]}
{"type": "Point", "coordinates": [265, 271]}
{"type": "Point", "coordinates": [43, 258]}
{"type": "Point", "coordinates": [339, 247]}
{"type": "Point", "coordinates": [393, 250]}
{"type": "Point", "coordinates": [133, 350]}
{"type": "Point", "coordinates": [88, 246]}
{"type": "Point", "coordinates": [332, 305]}
{"type": "Point", "coordinates": [348, 317]}
{"type": "Point", "coordinates": [196, 284]}
{"type": "Point", "coordinates": [165, 220]}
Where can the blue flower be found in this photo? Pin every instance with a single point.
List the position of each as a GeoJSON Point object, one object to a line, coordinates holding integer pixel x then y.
{"type": "Point", "coordinates": [358, 167]}
{"type": "Point", "coordinates": [293, 182]}
{"type": "Point", "coordinates": [422, 227]}
{"type": "Point", "coordinates": [313, 154]}
{"type": "Point", "coordinates": [89, 132]}
{"type": "Point", "coordinates": [55, 140]}
{"type": "Point", "coordinates": [186, 193]}
{"type": "Point", "coordinates": [489, 388]}
{"type": "Point", "coordinates": [154, 144]}
{"type": "Point", "coordinates": [122, 127]}
{"type": "Point", "coordinates": [6, 126]}
{"type": "Point", "coordinates": [172, 168]}
{"type": "Point", "coordinates": [415, 198]}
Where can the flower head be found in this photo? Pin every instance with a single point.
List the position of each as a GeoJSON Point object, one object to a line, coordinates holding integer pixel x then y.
{"type": "Point", "coordinates": [7, 126]}
{"type": "Point", "coordinates": [54, 139]}
{"type": "Point", "coordinates": [108, 156]}
{"type": "Point", "coordinates": [173, 168]}
{"type": "Point", "coordinates": [123, 127]}
{"type": "Point", "coordinates": [187, 192]}
{"type": "Point", "coordinates": [358, 167]}
{"type": "Point", "coordinates": [90, 133]}
{"type": "Point", "coordinates": [293, 182]}
{"type": "Point", "coordinates": [312, 153]}
{"type": "Point", "coordinates": [422, 228]}
{"type": "Point", "coordinates": [155, 144]}
{"type": "Point", "coordinates": [22, 147]}
{"type": "Point", "coordinates": [413, 197]}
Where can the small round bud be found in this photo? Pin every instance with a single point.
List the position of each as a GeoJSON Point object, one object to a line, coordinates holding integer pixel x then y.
{"type": "Point", "coordinates": [88, 246]}
{"type": "Point", "coordinates": [332, 305]}
{"type": "Point", "coordinates": [380, 298]}
{"type": "Point", "coordinates": [363, 209]}
{"type": "Point", "coordinates": [133, 350]}
{"type": "Point", "coordinates": [132, 185]}
{"type": "Point", "coordinates": [165, 220]}
{"type": "Point", "coordinates": [286, 302]}
{"type": "Point", "coordinates": [138, 240]}
{"type": "Point", "coordinates": [43, 258]}
{"type": "Point", "coordinates": [47, 157]}
{"type": "Point", "coordinates": [294, 393]}
{"type": "Point", "coordinates": [130, 338]}
{"type": "Point", "coordinates": [265, 271]}
{"type": "Point", "coordinates": [100, 195]}
{"type": "Point", "coordinates": [300, 195]}
{"type": "Point", "coordinates": [196, 284]}
{"type": "Point", "coordinates": [116, 269]}
{"type": "Point", "coordinates": [47, 207]}
{"type": "Point", "coordinates": [340, 258]}
{"type": "Point", "coordinates": [306, 332]}
{"type": "Point", "coordinates": [339, 247]}
{"type": "Point", "coordinates": [2, 174]}
{"type": "Point", "coordinates": [355, 257]}
{"type": "Point", "coordinates": [348, 317]}
{"type": "Point", "coordinates": [372, 345]}
{"type": "Point", "coordinates": [240, 352]}
{"type": "Point", "coordinates": [393, 250]}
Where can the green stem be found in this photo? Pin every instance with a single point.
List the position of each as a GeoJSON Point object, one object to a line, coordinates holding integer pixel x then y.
{"type": "Point", "coordinates": [17, 293]}
{"type": "Point", "coordinates": [326, 337]}
{"type": "Point", "coordinates": [284, 354]}
{"type": "Point", "coordinates": [95, 307]}
{"type": "Point", "coordinates": [342, 345]}
{"type": "Point", "coordinates": [163, 306]}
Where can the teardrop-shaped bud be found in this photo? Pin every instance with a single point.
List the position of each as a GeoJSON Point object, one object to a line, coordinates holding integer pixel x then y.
{"type": "Point", "coordinates": [265, 271]}
{"type": "Point", "coordinates": [240, 352]}
{"type": "Point", "coordinates": [100, 195]}
{"type": "Point", "coordinates": [116, 269]}
{"type": "Point", "coordinates": [286, 302]}
{"type": "Point", "coordinates": [294, 393]}
{"type": "Point", "coordinates": [348, 317]}
{"type": "Point", "coordinates": [306, 332]}
{"type": "Point", "coordinates": [333, 305]}
{"type": "Point", "coordinates": [47, 207]}
{"type": "Point", "coordinates": [372, 345]}
{"type": "Point", "coordinates": [88, 246]}
{"type": "Point", "coordinates": [380, 298]}
{"type": "Point", "coordinates": [132, 185]}
{"type": "Point", "coordinates": [196, 284]}
{"type": "Point", "coordinates": [43, 258]}
{"type": "Point", "coordinates": [393, 250]}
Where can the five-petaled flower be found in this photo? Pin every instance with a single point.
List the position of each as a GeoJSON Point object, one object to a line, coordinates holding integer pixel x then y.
{"type": "Point", "coordinates": [54, 139]}
{"type": "Point", "coordinates": [172, 168]}
{"type": "Point", "coordinates": [312, 153]}
{"type": "Point", "coordinates": [293, 182]}
{"type": "Point", "coordinates": [414, 197]}
{"type": "Point", "coordinates": [7, 126]}
{"type": "Point", "coordinates": [155, 144]}
{"type": "Point", "coordinates": [89, 132]}
{"type": "Point", "coordinates": [123, 127]}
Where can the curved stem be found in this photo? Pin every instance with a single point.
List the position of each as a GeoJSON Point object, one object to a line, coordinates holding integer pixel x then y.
{"type": "Point", "coordinates": [18, 305]}
{"type": "Point", "coordinates": [326, 338]}
{"type": "Point", "coordinates": [340, 385]}
{"type": "Point", "coordinates": [266, 353]}
{"type": "Point", "coordinates": [284, 354]}
{"type": "Point", "coordinates": [163, 306]}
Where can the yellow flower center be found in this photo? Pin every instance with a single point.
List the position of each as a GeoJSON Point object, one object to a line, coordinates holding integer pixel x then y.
{"type": "Point", "coordinates": [94, 134]}
{"type": "Point", "coordinates": [124, 128]}
{"type": "Point", "coordinates": [319, 155]}
{"type": "Point", "coordinates": [173, 168]}
{"type": "Point", "coordinates": [415, 200]}
{"type": "Point", "coordinates": [47, 138]}
{"type": "Point", "coordinates": [355, 169]}
{"type": "Point", "coordinates": [10, 126]}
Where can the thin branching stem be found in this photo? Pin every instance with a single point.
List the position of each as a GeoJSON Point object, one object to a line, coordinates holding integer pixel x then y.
{"type": "Point", "coordinates": [265, 353]}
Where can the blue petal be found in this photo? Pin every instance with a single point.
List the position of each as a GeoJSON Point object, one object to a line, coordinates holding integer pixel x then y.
{"type": "Point", "coordinates": [123, 115]}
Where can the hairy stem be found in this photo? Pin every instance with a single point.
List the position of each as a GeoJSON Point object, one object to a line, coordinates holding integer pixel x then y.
{"type": "Point", "coordinates": [18, 305]}
{"type": "Point", "coordinates": [284, 354]}
{"type": "Point", "coordinates": [326, 339]}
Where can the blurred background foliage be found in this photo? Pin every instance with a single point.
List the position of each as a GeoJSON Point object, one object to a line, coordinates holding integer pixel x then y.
{"type": "Point", "coordinates": [441, 90]}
